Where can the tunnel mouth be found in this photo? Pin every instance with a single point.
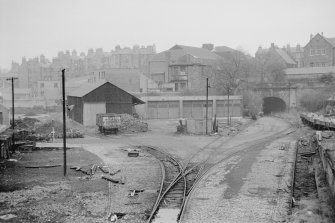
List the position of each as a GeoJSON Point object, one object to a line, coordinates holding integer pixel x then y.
{"type": "Point", "coordinates": [273, 105]}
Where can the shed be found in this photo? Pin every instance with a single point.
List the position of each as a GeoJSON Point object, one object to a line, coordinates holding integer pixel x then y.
{"type": "Point", "coordinates": [92, 99]}
{"type": "Point", "coordinates": [4, 115]}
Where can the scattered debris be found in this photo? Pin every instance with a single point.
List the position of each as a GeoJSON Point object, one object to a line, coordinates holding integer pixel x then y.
{"type": "Point", "coordinates": [133, 203]}
{"type": "Point", "coordinates": [115, 172]}
{"type": "Point", "coordinates": [7, 217]}
{"type": "Point", "coordinates": [43, 166]}
{"type": "Point", "coordinates": [130, 124]}
{"type": "Point", "coordinates": [182, 128]}
{"type": "Point", "coordinates": [133, 154]}
{"type": "Point", "coordinates": [308, 154]}
{"type": "Point", "coordinates": [327, 134]}
{"type": "Point", "coordinates": [133, 193]}
{"type": "Point", "coordinates": [102, 168]}
{"type": "Point", "coordinates": [114, 216]}
{"type": "Point", "coordinates": [117, 181]}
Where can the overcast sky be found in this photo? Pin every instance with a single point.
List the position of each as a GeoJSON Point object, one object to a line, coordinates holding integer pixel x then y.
{"type": "Point", "coordinates": [33, 27]}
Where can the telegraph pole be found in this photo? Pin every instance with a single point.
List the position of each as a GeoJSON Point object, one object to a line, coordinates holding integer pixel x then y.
{"type": "Point", "coordinates": [13, 110]}
{"type": "Point", "coordinates": [228, 106]}
{"type": "Point", "coordinates": [206, 105]}
{"type": "Point", "coordinates": [64, 120]}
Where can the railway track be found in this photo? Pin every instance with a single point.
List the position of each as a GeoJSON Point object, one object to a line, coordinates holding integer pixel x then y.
{"type": "Point", "coordinates": [172, 191]}
{"type": "Point", "coordinates": [174, 194]}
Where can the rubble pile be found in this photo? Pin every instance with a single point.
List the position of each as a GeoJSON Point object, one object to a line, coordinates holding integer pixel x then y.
{"type": "Point", "coordinates": [25, 123]}
{"type": "Point", "coordinates": [316, 121]}
{"type": "Point", "coordinates": [232, 128]}
{"type": "Point", "coordinates": [320, 117]}
{"type": "Point", "coordinates": [46, 128]}
{"type": "Point", "coordinates": [130, 124]}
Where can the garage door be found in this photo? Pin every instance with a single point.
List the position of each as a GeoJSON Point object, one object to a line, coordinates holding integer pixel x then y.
{"type": "Point", "coordinates": [163, 109]}
{"type": "Point", "coordinates": [234, 108]}
{"type": "Point", "coordinates": [90, 112]}
{"type": "Point", "coordinates": [197, 109]}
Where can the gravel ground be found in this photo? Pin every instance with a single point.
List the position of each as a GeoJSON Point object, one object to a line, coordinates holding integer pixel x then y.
{"type": "Point", "coordinates": [248, 187]}
{"type": "Point", "coordinates": [44, 195]}
{"type": "Point", "coordinates": [140, 173]}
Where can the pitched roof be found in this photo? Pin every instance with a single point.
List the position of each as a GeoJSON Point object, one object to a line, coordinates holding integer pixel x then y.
{"type": "Point", "coordinates": [285, 56]}
{"type": "Point", "coordinates": [331, 41]}
{"type": "Point", "coordinates": [87, 88]}
{"type": "Point", "coordinates": [196, 52]}
{"type": "Point", "coordinates": [310, 70]}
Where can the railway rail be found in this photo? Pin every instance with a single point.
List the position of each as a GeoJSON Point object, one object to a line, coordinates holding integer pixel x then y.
{"type": "Point", "coordinates": [194, 169]}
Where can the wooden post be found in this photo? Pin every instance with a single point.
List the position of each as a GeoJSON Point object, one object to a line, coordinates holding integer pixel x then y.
{"type": "Point", "coordinates": [64, 120]}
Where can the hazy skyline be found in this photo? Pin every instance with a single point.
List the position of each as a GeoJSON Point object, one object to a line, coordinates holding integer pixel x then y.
{"type": "Point", "coordinates": [33, 27]}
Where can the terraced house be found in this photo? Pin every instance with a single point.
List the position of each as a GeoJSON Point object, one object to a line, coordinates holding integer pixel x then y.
{"type": "Point", "coordinates": [182, 67]}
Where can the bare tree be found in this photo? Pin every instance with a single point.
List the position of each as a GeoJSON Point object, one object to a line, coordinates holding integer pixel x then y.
{"type": "Point", "coordinates": [270, 68]}
{"type": "Point", "coordinates": [229, 73]}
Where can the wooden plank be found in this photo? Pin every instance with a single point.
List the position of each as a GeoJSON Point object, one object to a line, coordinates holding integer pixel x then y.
{"type": "Point", "coordinates": [90, 112]}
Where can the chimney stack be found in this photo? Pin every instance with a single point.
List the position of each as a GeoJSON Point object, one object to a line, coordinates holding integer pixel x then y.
{"type": "Point", "coordinates": [272, 46]}
{"type": "Point", "coordinates": [288, 48]}
{"type": "Point", "coordinates": [321, 33]}
{"type": "Point", "coordinates": [208, 46]}
{"type": "Point", "coordinates": [298, 47]}
{"type": "Point", "coordinates": [311, 37]}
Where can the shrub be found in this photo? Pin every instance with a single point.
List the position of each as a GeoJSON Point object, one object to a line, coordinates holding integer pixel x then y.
{"type": "Point", "coordinates": [313, 100]}
{"type": "Point", "coordinates": [252, 103]}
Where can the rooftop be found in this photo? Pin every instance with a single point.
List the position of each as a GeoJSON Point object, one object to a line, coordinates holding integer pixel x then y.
{"type": "Point", "coordinates": [310, 70]}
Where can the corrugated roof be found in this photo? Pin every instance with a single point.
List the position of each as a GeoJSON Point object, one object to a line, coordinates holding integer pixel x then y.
{"type": "Point", "coordinates": [310, 70]}
{"type": "Point", "coordinates": [87, 88]}
{"type": "Point", "coordinates": [285, 56]}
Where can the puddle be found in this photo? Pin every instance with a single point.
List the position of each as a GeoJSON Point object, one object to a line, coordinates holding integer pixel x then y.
{"type": "Point", "coordinates": [166, 215]}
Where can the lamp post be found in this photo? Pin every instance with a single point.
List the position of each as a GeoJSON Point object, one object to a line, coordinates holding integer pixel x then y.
{"type": "Point", "coordinates": [64, 120]}
{"type": "Point", "coordinates": [13, 110]}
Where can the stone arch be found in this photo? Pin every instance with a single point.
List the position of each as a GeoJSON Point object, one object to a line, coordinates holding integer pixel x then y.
{"type": "Point", "coordinates": [273, 104]}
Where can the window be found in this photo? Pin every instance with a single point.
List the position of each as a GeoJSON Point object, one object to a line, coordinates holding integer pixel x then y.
{"type": "Point", "coordinates": [182, 69]}
{"type": "Point", "coordinates": [323, 64]}
{"type": "Point", "coordinates": [317, 64]}
{"type": "Point", "coordinates": [55, 85]}
{"type": "Point", "coordinates": [42, 93]}
{"type": "Point", "coordinates": [312, 52]}
{"type": "Point", "coordinates": [42, 85]}
{"type": "Point", "coordinates": [311, 64]}
{"type": "Point", "coordinates": [318, 52]}
{"type": "Point", "coordinates": [323, 51]}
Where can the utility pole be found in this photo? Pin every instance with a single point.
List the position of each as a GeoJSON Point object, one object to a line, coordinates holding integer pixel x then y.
{"type": "Point", "coordinates": [13, 110]}
{"type": "Point", "coordinates": [207, 105]}
{"type": "Point", "coordinates": [228, 91]}
{"type": "Point", "coordinates": [64, 120]}
{"type": "Point", "coordinates": [289, 96]}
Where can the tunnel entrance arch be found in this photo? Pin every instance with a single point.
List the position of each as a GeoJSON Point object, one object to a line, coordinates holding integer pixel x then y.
{"type": "Point", "coordinates": [273, 105]}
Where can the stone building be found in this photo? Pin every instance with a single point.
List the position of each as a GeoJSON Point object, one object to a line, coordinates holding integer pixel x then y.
{"type": "Point", "coordinates": [276, 54]}
{"type": "Point", "coordinates": [319, 51]}
{"type": "Point", "coordinates": [182, 67]}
